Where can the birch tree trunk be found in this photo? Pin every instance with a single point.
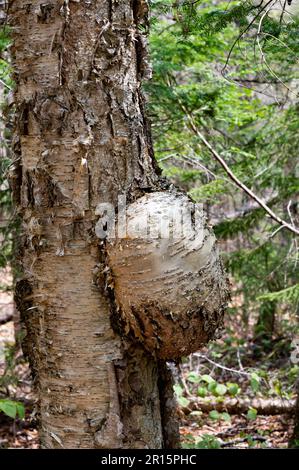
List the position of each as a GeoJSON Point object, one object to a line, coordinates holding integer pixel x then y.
{"type": "Point", "coordinates": [81, 138]}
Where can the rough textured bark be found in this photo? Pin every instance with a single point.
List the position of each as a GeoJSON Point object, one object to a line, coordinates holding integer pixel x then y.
{"type": "Point", "coordinates": [81, 138]}
{"type": "Point", "coordinates": [2, 11]}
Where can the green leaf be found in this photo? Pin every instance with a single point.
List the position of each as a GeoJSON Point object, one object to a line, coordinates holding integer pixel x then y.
{"type": "Point", "coordinates": [212, 386]}
{"type": "Point", "coordinates": [252, 414]}
{"type": "Point", "coordinates": [220, 390]}
{"type": "Point", "coordinates": [225, 416]}
{"type": "Point", "coordinates": [202, 392]}
{"type": "Point", "coordinates": [255, 376]}
{"type": "Point", "coordinates": [9, 408]}
{"type": "Point", "coordinates": [255, 381]}
{"type": "Point", "coordinates": [207, 442]}
{"type": "Point", "coordinates": [207, 378]}
{"type": "Point", "coordinates": [178, 390]}
{"type": "Point", "coordinates": [214, 415]}
{"type": "Point", "coordinates": [183, 401]}
{"type": "Point", "coordinates": [193, 377]}
{"type": "Point", "coordinates": [277, 387]}
{"type": "Point", "coordinates": [20, 410]}
{"type": "Point", "coordinates": [233, 389]}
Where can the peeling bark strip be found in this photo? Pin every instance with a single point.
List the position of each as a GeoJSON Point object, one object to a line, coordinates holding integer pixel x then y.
{"type": "Point", "coordinates": [81, 139]}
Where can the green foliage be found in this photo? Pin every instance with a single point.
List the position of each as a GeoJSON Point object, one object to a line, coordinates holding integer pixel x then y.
{"type": "Point", "coordinates": [220, 390]}
{"type": "Point", "coordinates": [250, 117]}
{"type": "Point", "coordinates": [8, 376]}
{"type": "Point", "coordinates": [4, 38]}
{"type": "Point", "coordinates": [210, 387]}
{"type": "Point", "coordinates": [207, 441]}
{"type": "Point", "coordinates": [194, 377]}
{"type": "Point", "coordinates": [255, 381]}
{"type": "Point", "coordinates": [233, 389]}
{"type": "Point", "coordinates": [239, 91]}
{"type": "Point", "coordinates": [8, 406]}
{"type": "Point", "coordinates": [294, 444]}
{"type": "Point", "coordinates": [214, 415]}
{"type": "Point", "coordinates": [226, 416]}
{"type": "Point", "coordinates": [207, 378]}
{"type": "Point", "coordinates": [202, 392]}
{"type": "Point", "coordinates": [182, 401]}
{"type": "Point", "coordinates": [12, 409]}
{"type": "Point", "coordinates": [251, 414]}
{"type": "Point", "coordinates": [5, 69]}
{"type": "Point", "coordinates": [288, 295]}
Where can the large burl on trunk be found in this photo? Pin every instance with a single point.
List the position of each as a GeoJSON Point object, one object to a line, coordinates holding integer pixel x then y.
{"type": "Point", "coordinates": [81, 139]}
{"type": "Point", "coordinates": [169, 285]}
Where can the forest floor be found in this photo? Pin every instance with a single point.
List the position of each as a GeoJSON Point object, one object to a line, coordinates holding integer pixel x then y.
{"type": "Point", "coordinates": [219, 372]}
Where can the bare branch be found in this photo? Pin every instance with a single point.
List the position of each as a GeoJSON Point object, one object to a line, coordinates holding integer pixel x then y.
{"type": "Point", "coordinates": [243, 32]}
{"type": "Point", "coordinates": [236, 180]}
{"type": "Point", "coordinates": [240, 372]}
{"type": "Point", "coordinates": [5, 85]}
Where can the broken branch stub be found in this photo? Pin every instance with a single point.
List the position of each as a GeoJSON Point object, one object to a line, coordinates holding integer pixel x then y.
{"type": "Point", "coordinates": [168, 279]}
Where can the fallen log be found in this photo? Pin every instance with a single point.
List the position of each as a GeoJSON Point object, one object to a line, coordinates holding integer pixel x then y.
{"type": "Point", "coordinates": [268, 406]}
{"type": "Point", "coordinates": [241, 440]}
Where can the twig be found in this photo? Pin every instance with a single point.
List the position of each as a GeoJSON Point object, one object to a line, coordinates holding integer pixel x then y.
{"type": "Point", "coordinates": [234, 178]}
{"type": "Point", "coordinates": [188, 393]}
{"type": "Point", "coordinates": [259, 33]}
{"type": "Point", "coordinates": [242, 34]}
{"type": "Point", "coordinates": [276, 231]}
{"type": "Point", "coordinates": [221, 366]}
{"type": "Point", "coordinates": [282, 13]}
{"type": "Point", "coordinates": [199, 164]}
{"type": "Point", "coordinates": [289, 212]}
{"type": "Point", "coordinates": [4, 84]}
{"type": "Point", "coordinates": [239, 359]}
{"type": "Point", "coordinates": [294, 241]}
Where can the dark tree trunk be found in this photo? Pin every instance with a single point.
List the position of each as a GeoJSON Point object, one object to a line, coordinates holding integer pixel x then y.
{"type": "Point", "coordinates": [294, 441]}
